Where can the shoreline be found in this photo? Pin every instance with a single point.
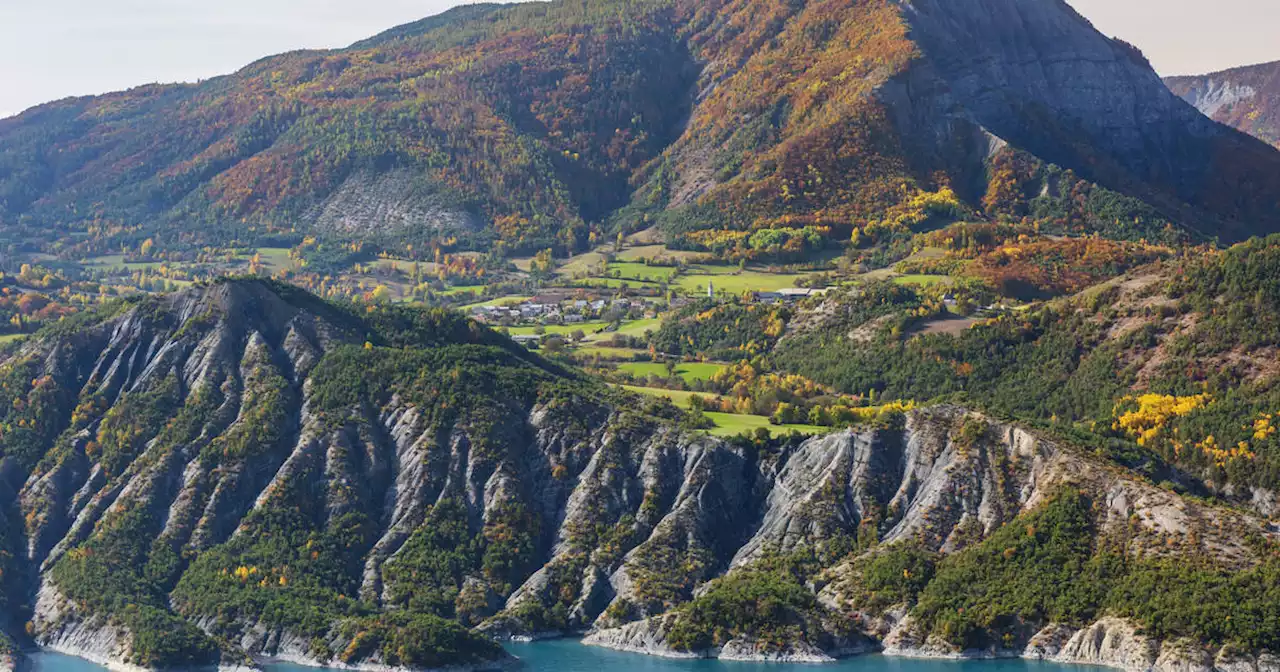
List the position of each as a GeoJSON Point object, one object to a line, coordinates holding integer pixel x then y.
{"type": "Point", "coordinates": [21, 659]}
{"type": "Point", "coordinates": [74, 652]}
{"type": "Point", "coordinates": [1109, 642]}
{"type": "Point", "coordinates": [302, 661]}
{"type": "Point", "coordinates": [21, 662]}
{"type": "Point", "coordinates": [840, 657]}
{"type": "Point", "coordinates": [835, 657]}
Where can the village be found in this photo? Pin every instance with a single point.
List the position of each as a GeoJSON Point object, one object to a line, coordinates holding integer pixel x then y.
{"type": "Point", "coordinates": [561, 312]}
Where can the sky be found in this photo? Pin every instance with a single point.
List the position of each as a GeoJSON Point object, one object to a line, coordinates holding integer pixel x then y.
{"type": "Point", "coordinates": [51, 49]}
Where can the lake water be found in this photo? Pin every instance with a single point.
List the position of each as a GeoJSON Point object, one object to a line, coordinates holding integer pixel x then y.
{"type": "Point", "coordinates": [570, 656]}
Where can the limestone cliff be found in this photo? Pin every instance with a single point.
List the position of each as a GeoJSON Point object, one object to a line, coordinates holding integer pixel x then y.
{"type": "Point", "coordinates": [241, 473]}
{"type": "Point", "coordinates": [1247, 98]}
{"type": "Point", "coordinates": [934, 485]}
{"type": "Point", "coordinates": [1038, 76]}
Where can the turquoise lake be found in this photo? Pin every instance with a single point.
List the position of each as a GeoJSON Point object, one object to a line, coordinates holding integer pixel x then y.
{"type": "Point", "coordinates": [570, 656]}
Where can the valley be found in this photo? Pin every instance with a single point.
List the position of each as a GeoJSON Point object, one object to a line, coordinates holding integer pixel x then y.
{"type": "Point", "coordinates": [723, 332]}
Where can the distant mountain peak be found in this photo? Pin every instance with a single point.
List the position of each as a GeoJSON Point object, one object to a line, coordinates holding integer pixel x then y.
{"type": "Point", "coordinates": [1246, 97]}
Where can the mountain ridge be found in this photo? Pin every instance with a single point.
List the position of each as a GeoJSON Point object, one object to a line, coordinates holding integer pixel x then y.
{"type": "Point", "coordinates": [1243, 97]}
{"type": "Point", "coordinates": [482, 125]}
{"type": "Point", "coordinates": [217, 458]}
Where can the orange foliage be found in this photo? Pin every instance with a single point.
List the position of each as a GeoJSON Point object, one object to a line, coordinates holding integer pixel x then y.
{"type": "Point", "coordinates": [1041, 268]}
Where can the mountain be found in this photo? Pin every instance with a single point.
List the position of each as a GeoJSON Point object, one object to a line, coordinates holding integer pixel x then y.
{"type": "Point", "coordinates": [1146, 372]}
{"type": "Point", "coordinates": [240, 472]}
{"type": "Point", "coordinates": [1245, 98]}
{"type": "Point", "coordinates": [868, 102]}
{"type": "Point", "coordinates": [1150, 347]}
{"type": "Point", "coordinates": [553, 124]}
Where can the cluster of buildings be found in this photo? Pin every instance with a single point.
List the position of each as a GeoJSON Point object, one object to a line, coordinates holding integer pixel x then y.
{"type": "Point", "coordinates": [790, 295]}
{"type": "Point", "coordinates": [559, 310]}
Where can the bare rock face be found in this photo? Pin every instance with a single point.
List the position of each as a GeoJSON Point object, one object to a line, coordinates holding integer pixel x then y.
{"type": "Point", "coordinates": [1108, 642]}
{"type": "Point", "coordinates": [1111, 642]}
{"type": "Point", "coordinates": [1247, 98]}
{"type": "Point", "coordinates": [1004, 58]}
{"type": "Point", "coordinates": [1038, 76]}
{"type": "Point", "coordinates": [647, 637]}
{"type": "Point", "coordinates": [571, 515]}
{"type": "Point", "coordinates": [67, 632]}
{"type": "Point", "coordinates": [392, 202]}
{"type": "Point", "coordinates": [747, 650]}
{"type": "Point", "coordinates": [947, 480]}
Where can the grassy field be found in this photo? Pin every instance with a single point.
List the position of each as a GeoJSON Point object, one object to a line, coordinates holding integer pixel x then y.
{"type": "Point", "coordinates": [689, 371]}
{"type": "Point", "coordinates": [677, 397]}
{"type": "Point", "coordinates": [427, 268]}
{"type": "Point", "coordinates": [561, 329]}
{"type": "Point", "coordinates": [615, 354]}
{"type": "Point", "coordinates": [116, 261]}
{"type": "Point", "coordinates": [641, 272]}
{"type": "Point", "coordinates": [454, 291]}
{"type": "Point", "coordinates": [500, 301]}
{"type": "Point", "coordinates": [729, 424]}
{"type": "Point", "coordinates": [581, 264]}
{"type": "Point", "coordinates": [5, 339]}
{"type": "Point", "coordinates": [638, 327]}
{"type": "Point", "coordinates": [615, 283]}
{"type": "Point", "coordinates": [737, 283]}
{"type": "Point", "coordinates": [652, 251]}
{"type": "Point", "coordinates": [275, 258]}
{"type": "Point", "coordinates": [715, 269]}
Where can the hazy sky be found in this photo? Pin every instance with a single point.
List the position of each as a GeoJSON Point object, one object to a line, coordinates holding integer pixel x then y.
{"type": "Point", "coordinates": [50, 49]}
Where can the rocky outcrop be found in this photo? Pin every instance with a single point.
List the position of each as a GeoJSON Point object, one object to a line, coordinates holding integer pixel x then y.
{"type": "Point", "coordinates": [1038, 76]}
{"type": "Point", "coordinates": [1247, 98]}
{"type": "Point", "coordinates": [649, 637]}
{"type": "Point", "coordinates": [947, 480]}
{"type": "Point", "coordinates": [394, 202]}
{"type": "Point", "coordinates": [1114, 642]}
{"type": "Point", "coordinates": [94, 638]}
{"type": "Point", "coordinates": [571, 515]}
{"type": "Point", "coordinates": [1109, 642]}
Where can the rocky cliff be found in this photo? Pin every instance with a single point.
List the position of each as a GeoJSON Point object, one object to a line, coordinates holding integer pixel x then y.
{"type": "Point", "coordinates": [934, 486]}
{"type": "Point", "coordinates": [1247, 98]}
{"type": "Point", "coordinates": [242, 472]}
{"type": "Point", "coordinates": [1038, 76]}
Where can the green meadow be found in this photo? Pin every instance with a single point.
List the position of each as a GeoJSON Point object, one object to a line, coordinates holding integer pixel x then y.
{"type": "Point", "coordinates": [688, 371]}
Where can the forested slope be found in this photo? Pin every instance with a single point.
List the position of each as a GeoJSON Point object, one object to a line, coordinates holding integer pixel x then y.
{"type": "Point", "coordinates": [555, 124]}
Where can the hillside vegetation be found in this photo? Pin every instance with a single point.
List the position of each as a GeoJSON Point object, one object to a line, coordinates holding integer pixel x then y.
{"type": "Point", "coordinates": [757, 126]}
{"type": "Point", "coordinates": [241, 470]}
